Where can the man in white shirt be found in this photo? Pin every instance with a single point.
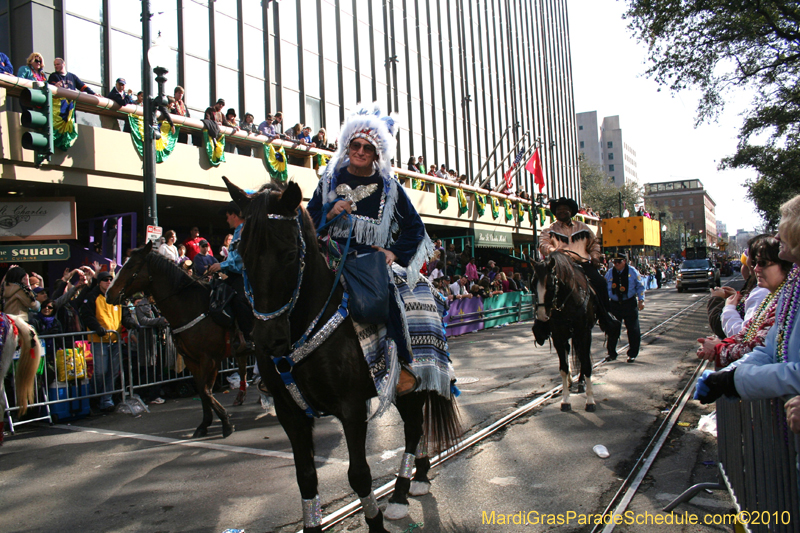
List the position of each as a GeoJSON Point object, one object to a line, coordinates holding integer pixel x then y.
{"type": "Point", "coordinates": [459, 288]}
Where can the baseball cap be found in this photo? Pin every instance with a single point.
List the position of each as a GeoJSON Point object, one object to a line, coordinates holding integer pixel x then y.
{"type": "Point", "coordinates": [203, 242]}
{"type": "Point", "coordinates": [37, 290]}
{"type": "Point", "coordinates": [104, 276]}
{"type": "Point", "coordinates": [122, 81]}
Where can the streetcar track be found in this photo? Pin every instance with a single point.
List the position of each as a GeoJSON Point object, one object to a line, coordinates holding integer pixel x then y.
{"type": "Point", "coordinates": [630, 484]}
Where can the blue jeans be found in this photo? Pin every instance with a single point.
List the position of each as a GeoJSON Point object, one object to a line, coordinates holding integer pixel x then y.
{"type": "Point", "coordinates": [106, 369]}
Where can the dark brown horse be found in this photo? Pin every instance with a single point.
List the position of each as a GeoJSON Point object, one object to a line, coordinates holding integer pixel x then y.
{"type": "Point", "coordinates": [291, 283]}
{"type": "Point", "coordinates": [563, 298]}
{"type": "Point", "coordinates": [182, 299]}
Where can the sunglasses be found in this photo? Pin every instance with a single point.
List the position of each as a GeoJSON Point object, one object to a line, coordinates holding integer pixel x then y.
{"type": "Point", "coordinates": [50, 307]}
{"type": "Point", "coordinates": [366, 147]}
{"type": "Point", "coordinates": [37, 60]}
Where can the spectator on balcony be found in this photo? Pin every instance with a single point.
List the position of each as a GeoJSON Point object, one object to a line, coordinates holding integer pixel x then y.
{"type": "Point", "coordinates": [178, 107]}
{"type": "Point", "coordinates": [294, 132]}
{"type": "Point", "coordinates": [462, 179]}
{"type": "Point", "coordinates": [421, 165]}
{"type": "Point", "coordinates": [219, 118]}
{"type": "Point", "coordinates": [250, 127]}
{"type": "Point", "coordinates": [211, 125]}
{"type": "Point", "coordinates": [118, 93]}
{"type": "Point", "coordinates": [139, 98]}
{"type": "Point", "coordinates": [230, 121]}
{"type": "Point", "coordinates": [305, 137]}
{"type": "Point", "coordinates": [66, 80]}
{"type": "Point", "coordinates": [5, 65]}
{"type": "Point", "coordinates": [34, 69]}
{"type": "Point", "coordinates": [278, 123]}
{"type": "Point", "coordinates": [442, 173]}
{"type": "Point", "coordinates": [268, 128]}
{"type": "Point", "coordinates": [432, 171]}
{"type": "Point", "coordinates": [321, 139]}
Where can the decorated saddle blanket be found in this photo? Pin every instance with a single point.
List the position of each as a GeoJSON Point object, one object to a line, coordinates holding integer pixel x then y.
{"type": "Point", "coordinates": [422, 310]}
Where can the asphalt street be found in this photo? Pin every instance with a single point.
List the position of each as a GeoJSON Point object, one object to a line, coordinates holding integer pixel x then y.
{"type": "Point", "coordinates": [119, 473]}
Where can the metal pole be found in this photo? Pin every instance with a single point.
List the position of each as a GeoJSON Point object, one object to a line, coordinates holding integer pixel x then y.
{"type": "Point", "coordinates": [619, 198]}
{"type": "Point", "coordinates": [149, 178]}
{"type": "Point", "coordinates": [489, 157]}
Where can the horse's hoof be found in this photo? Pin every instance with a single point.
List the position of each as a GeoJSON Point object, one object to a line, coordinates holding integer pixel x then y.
{"type": "Point", "coordinates": [227, 430]}
{"type": "Point", "coordinates": [396, 511]}
{"type": "Point", "coordinates": [591, 408]}
{"type": "Point", "coordinates": [240, 396]}
{"type": "Point", "coordinates": [419, 488]}
{"type": "Point", "coordinates": [581, 388]}
{"type": "Point", "coordinates": [566, 407]}
{"type": "Point", "coordinates": [199, 433]}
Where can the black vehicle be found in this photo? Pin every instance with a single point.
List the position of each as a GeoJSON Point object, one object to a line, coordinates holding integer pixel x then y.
{"type": "Point", "coordinates": [696, 273]}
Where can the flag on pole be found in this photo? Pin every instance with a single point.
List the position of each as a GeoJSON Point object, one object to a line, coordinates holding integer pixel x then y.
{"type": "Point", "coordinates": [507, 175]}
{"type": "Point", "coordinates": [534, 166]}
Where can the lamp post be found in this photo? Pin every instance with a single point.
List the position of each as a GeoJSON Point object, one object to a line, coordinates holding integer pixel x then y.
{"type": "Point", "coordinates": [156, 55]}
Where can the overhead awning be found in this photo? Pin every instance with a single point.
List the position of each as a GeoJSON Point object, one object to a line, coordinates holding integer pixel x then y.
{"type": "Point", "coordinates": [493, 239]}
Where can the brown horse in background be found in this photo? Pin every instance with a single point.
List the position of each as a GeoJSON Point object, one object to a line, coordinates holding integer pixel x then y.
{"type": "Point", "coordinates": [182, 299]}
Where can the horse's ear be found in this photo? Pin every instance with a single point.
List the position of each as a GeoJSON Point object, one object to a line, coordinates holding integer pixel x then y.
{"type": "Point", "coordinates": [148, 247]}
{"type": "Point", "coordinates": [239, 197]}
{"type": "Point", "coordinates": [291, 197]}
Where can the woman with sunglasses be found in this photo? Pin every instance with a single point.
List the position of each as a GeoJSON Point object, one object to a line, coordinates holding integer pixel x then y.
{"type": "Point", "coordinates": [45, 322]}
{"type": "Point", "coordinates": [771, 370]}
{"type": "Point", "coordinates": [771, 272]}
{"type": "Point", "coordinates": [34, 69]}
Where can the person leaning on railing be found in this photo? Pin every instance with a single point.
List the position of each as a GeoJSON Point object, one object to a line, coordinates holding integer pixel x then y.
{"type": "Point", "coordinates": [772, 273]}
{"type": "Point", "coordinates": [772, 370]}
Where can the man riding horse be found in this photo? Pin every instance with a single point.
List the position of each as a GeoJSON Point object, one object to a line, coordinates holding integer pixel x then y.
{"type": "Point", "coordinates": [577, 240]}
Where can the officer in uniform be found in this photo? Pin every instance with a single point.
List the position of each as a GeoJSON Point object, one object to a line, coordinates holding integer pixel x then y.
{"type": "Point", "coordinates": [626, 292]}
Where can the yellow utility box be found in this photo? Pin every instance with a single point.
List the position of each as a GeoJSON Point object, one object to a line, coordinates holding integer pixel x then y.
{"type": "Point", "coordinates": [630, 231]}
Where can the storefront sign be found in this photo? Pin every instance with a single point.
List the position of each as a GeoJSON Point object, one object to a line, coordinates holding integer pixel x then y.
{"type": "Point", "coordinates": [38, 219]}
{"type": "Point", "coordinates": [21, 253]}
{"type": "Point", "coordinates": [493, 239]}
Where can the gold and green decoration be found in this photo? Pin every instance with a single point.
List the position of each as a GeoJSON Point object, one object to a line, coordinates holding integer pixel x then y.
{"type": "Point", "coordinates": [215, 151]}
{"type": "Point", "coordinates": [480, 204]}
{"type": "Point", "coordinates": [442, 197]}
{"type": "Point", "coordinates": [542, 216]}
{"type": "Point", "coordinates": [163, 146]}
{"type": "Point", "coordinates": [495, 206]}
{"type": "Point", "coordinates": [276, 162]}
{"type": "Point", "coordinates": [322, 160]}
{"type": "Point", "coordinates": [65, 131]}
{"type": "Point", "coordinates": [521, 208]}
{"type": "Point", "coordinates": [509, 210]}
{"type": "Point", "coordinates": [418, 185]}
{"type": "Point", "coordinates": [462, 201]}
{"type": "Point", "coordinates": [531, 214]}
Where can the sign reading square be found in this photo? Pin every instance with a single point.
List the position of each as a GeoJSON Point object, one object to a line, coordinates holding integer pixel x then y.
{"type": "Point", "coordinates": [39, 219]}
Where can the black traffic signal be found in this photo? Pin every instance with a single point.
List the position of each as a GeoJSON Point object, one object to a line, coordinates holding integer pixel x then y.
{"type": "Point", "coordinates": [37, 116]}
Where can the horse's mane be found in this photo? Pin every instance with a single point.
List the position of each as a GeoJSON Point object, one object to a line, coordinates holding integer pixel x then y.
{"type": "Point", "coordinates": [261, 204]}
{"type": "Point", "coordinates": [568, 272]}
{"type": "Point", "coordinates": [176, 276]}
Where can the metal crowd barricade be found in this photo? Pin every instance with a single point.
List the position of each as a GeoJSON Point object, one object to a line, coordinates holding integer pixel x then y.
{"type": "Point", "coordinates": [66, 379]}
{"type": "Point", "coordinates": [523, 309]}
{"type": "Point", "coordinates": [153, 359]}
{"type": "Point", "coordinates": [757, 465]}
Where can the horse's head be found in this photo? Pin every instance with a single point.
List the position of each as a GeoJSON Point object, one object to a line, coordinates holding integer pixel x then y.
{"type": "Point", "coordinates": [544, 287]}
{"type": "Point", "coordinates": [134, 276]}
{"type": "Point", "coordinates": [273, 244]}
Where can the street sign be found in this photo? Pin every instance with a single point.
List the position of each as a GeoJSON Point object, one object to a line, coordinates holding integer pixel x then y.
{"type": "Point", "coordinates": [21, 253]}
{"type": "Point", "coordinates": [154, 233]}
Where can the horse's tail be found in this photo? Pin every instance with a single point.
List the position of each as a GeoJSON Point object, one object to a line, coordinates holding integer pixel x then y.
{"type": "Point", "coordinates": [442, 426]}
{"type": "Point", "coordinates": [30, 351]}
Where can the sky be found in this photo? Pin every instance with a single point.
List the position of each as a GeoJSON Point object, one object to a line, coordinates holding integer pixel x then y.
{"type": "Point", "coordinates": [608, 72]}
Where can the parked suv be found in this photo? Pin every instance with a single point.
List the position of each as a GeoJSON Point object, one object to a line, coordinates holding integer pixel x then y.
{"type": "Point", "coordinates": [696, 273]}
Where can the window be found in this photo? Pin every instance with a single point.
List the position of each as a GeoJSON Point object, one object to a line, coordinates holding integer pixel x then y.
{"type": "Point", "coordinates": [691, 201]}
{"type": "Point", "coordinates": [673, 203]}
{"type": "Point", "coordinates": [691, 213]}
{"type": "Point", "coordinates": [680, 202]}
{"type": "Point", "coordinates": [580, 128]}
{"type": "Point", "coordinates": [582, 144]}
{"type": "Point", "coordinates": [610, 156]}
{"type": "Point", "coordinates": [611, 168]}
{"type": "Point", "coordinates": [610, 144]}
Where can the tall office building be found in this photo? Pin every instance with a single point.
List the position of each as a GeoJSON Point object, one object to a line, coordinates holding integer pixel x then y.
{"type": "Point", "coordinates": [462, 75]}
{"type": "Point", "coordinates": [605, 146]}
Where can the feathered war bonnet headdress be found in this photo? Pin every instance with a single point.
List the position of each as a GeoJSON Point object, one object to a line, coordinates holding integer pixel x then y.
{"type": "Point", "coordinates": [374, 127]}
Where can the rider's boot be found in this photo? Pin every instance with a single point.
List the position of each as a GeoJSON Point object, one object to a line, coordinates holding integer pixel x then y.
{"type": "Point", "coordinates": [541, 331]}
{"type": "Point", "coordinates": [407, 382]}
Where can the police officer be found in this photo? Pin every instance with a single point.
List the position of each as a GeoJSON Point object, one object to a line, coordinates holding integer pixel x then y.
{"type": "Point", "coordinates": [626, 292]}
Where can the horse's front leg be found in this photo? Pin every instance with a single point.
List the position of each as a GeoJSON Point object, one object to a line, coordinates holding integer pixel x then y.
{"type": "Point", "coordinates": [410, 407]}
{"type": "Point", "coordinates": [359, 475]}
{"type": "Point", "coordinates": [210, 376]}
{"type": "Point", "coordinates": [242, 393]}
{"type": "Point", "coordinates": [583, 348]}
{"type": "Point", "coordinates": [566, 377]}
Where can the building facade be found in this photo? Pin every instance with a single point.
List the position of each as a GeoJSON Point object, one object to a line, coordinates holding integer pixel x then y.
{"type": "Point", "coordinates": [462, 75]}
{"type": "Point", "coordinates": [605, 147]}
{"type": "Point", "coordinates": [690, 204]}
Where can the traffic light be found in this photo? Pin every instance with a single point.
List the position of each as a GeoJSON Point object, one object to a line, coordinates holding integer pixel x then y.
{"type": "Point", "coordinates": [37, 116]}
